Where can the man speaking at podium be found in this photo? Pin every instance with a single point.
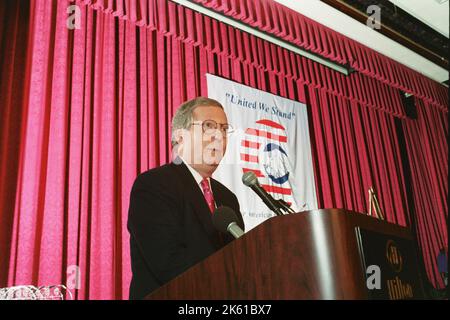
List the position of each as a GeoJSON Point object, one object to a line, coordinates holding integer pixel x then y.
{"type": "Point", "coordinates": [169, 218]}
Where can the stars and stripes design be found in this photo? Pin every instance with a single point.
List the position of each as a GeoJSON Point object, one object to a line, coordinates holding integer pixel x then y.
{"type": "Point", "coordinates": [262, 150]}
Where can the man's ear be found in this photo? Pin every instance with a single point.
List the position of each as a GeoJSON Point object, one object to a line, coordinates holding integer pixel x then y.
{"type": "Point", "coordinates": [178, 135]}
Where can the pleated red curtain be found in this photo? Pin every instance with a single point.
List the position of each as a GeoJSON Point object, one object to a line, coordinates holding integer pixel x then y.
{"type": "Point", "coordinates": [276, 19]}
{"type": "Point", "coordinates": [172, 19]}
{"type": "Point", "coordinates": [356, 147]}
{"type": "Point", "coordinates": [14, 66]}
{"type": "Point", "coordinates": [427, 149]}
{"type": "Point", "coordinates": [96, 114]}
{"type": "Point", "coordinates": [87, 110]}
{"type": "Point", "coordinates": [273, 18]}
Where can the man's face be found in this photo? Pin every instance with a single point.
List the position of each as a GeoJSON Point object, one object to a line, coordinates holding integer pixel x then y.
{"type": "Point", "coordinates": [203, 145]}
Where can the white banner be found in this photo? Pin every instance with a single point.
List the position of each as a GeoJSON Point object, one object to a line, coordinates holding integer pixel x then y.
{"type": "Point", "coordinates": [270, 138]}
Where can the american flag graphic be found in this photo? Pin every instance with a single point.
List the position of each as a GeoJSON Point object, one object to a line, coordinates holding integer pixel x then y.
{"type": "Point", "coordinates": [263, 151]}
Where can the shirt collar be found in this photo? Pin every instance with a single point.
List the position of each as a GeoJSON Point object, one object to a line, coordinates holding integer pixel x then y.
{"type": "Point", "coordinates": [197, 176]}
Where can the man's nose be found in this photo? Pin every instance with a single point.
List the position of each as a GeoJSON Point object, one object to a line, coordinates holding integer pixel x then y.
{"type": "Point", "coordinates": [217, 135]}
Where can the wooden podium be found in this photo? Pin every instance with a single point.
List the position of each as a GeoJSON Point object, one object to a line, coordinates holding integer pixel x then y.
{"type": "Point", "coordinates": [318, 254]}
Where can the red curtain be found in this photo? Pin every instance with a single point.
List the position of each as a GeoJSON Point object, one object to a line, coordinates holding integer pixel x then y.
{"type": "Point", "coordinates": [355, 148]}
{"type": "Point", "coordinates": [273, 18]}
{"type": "Point", "coordinates": [84, 111]}
{"type": "Point", "coordinates": [428, 156]}
{"type": "Point", "coordinates": [276, 19]}
{"type": "Point", "coordinates": [14, 66]}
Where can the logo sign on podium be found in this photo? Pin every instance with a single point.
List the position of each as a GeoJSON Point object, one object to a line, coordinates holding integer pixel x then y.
{"type": "Point", "coordinates": [395, 258]}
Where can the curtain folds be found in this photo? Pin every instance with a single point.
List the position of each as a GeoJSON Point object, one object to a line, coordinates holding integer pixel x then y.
{"type": "Point", "coordinates": [427, 148]}
{"type": "Point", "coordinates": [86, 110]}
{"type": "Point", "coordinates": [355, 148]}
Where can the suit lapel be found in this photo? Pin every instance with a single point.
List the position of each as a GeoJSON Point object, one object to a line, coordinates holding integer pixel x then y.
{"type": "Point", "coordinates": [197, 200]}
{"type": "Point", "coordinates": [216, 192]}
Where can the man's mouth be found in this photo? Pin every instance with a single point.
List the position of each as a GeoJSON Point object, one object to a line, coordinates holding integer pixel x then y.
{"type": "Point", "coordinates": [215, 149]}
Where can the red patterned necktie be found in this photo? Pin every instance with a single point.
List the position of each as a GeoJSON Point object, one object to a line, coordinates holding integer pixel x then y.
{"type": "Point", "coordinates": [208, 194]}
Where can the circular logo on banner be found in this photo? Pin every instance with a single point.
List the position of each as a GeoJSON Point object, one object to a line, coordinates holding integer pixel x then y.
{"type": "Point", "coordinates": [274, 160]}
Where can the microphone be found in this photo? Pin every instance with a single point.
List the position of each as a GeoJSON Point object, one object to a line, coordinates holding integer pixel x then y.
{"type": "Point", "coordinates": [250, 180]}
{"type": "Point", "coordinates": [225, 220]}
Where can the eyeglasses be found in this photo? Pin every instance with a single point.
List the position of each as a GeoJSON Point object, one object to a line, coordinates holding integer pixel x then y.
{"type": "Point", "coordinates": [210, 126]}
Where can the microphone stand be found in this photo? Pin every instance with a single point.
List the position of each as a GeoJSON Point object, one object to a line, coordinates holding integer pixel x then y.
{"type": "Point", "coordinates": [284, 206]}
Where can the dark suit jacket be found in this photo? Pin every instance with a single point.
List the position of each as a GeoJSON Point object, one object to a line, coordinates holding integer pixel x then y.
{"type": "Point", "coordinates": [170, 225]}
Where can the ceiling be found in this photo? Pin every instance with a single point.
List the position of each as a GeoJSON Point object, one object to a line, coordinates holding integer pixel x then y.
{"type": "Point", "coordinates": [434, 13]}
{"type": "Point", "coordinates": [413, 32]}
